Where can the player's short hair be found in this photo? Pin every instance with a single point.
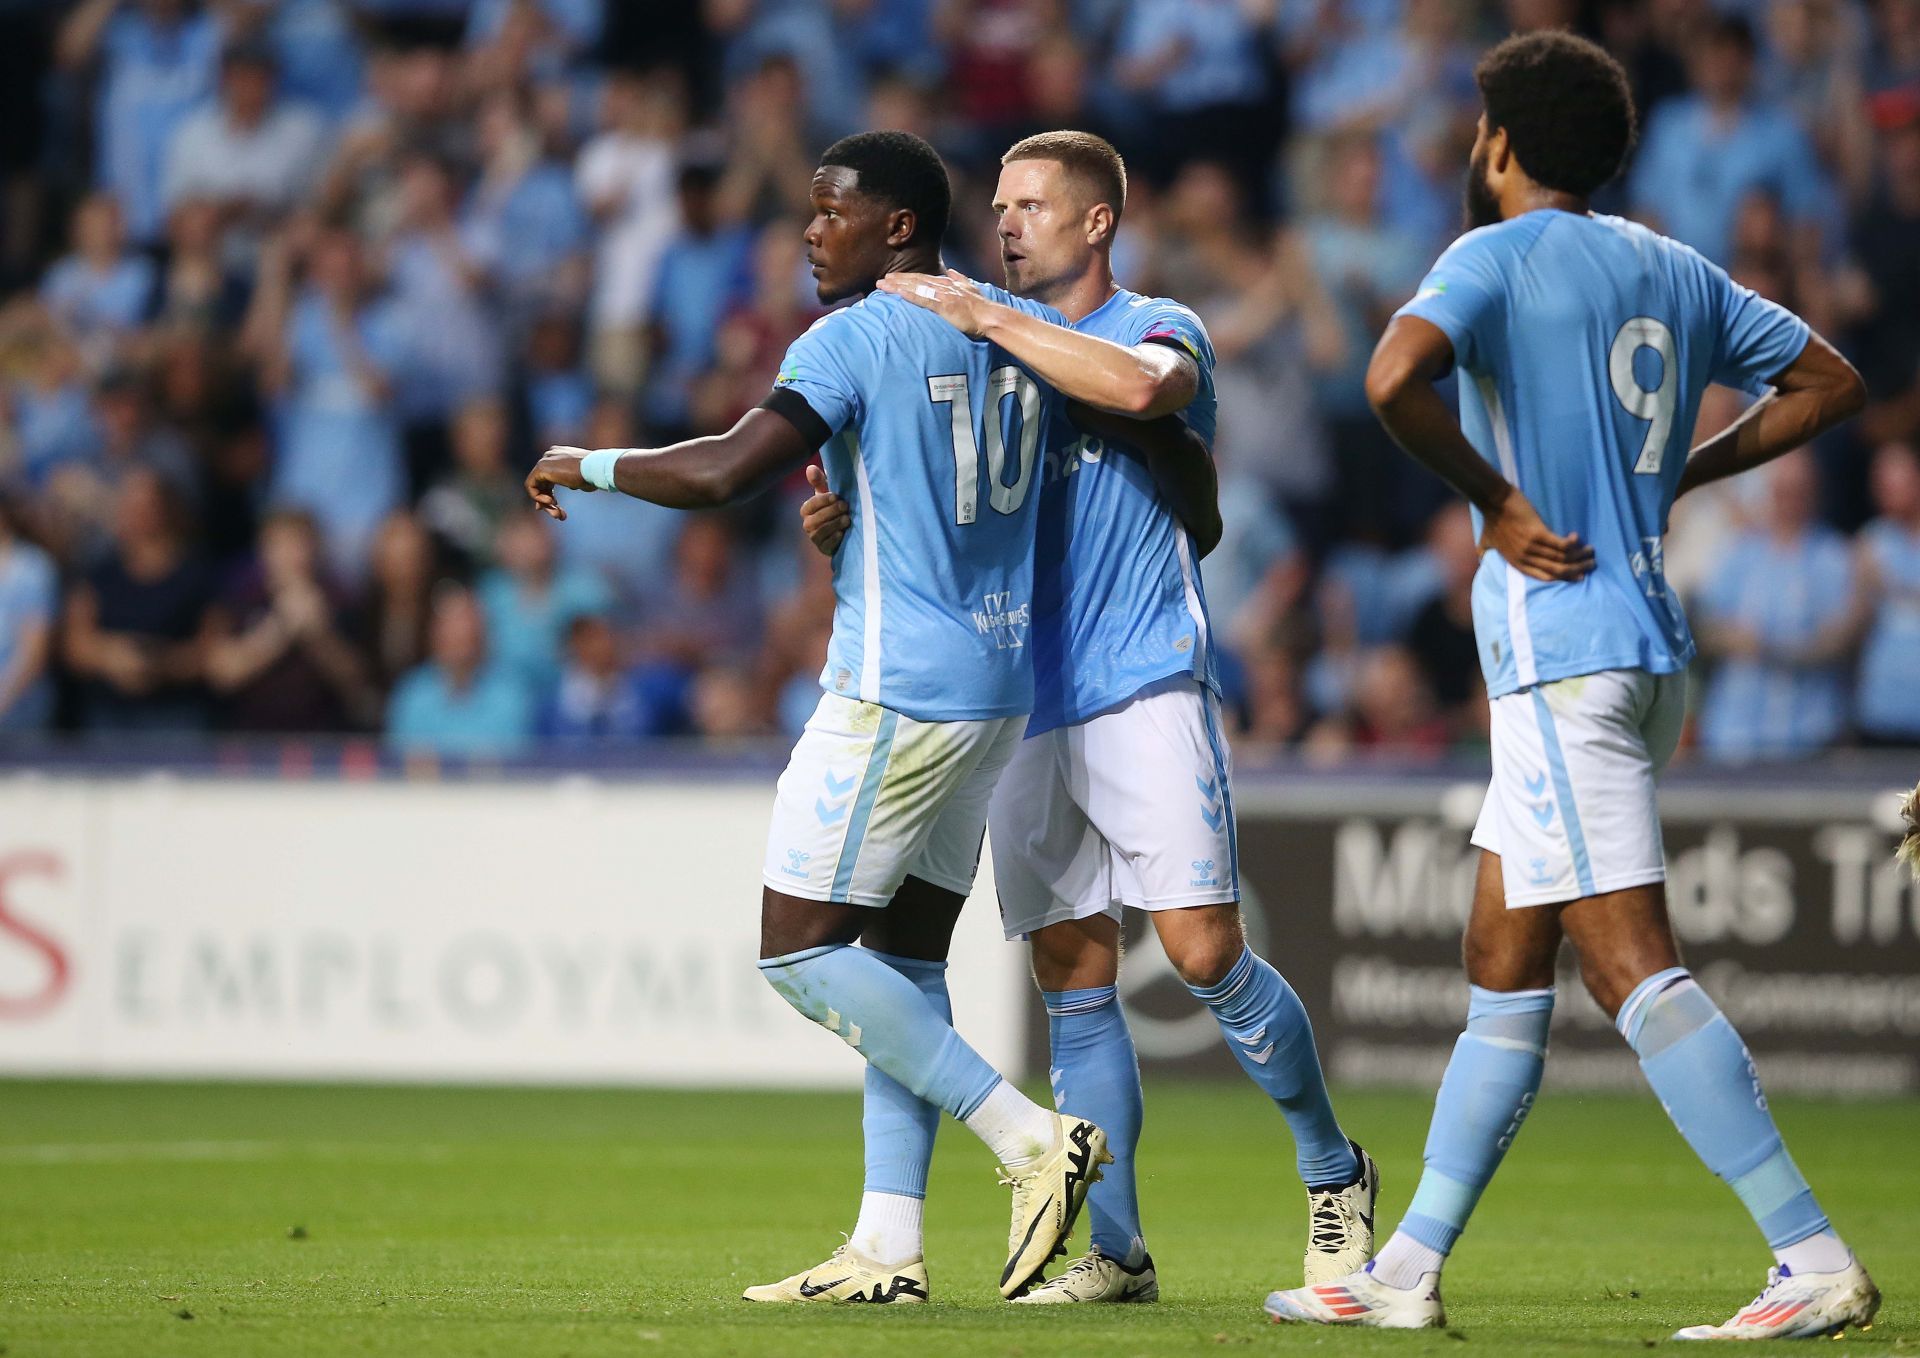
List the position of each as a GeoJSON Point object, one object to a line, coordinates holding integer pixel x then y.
{"type": "Point", "coordinates": [902, 171]}
{"type": "Point", "coordinates": [1083, 155]}
{"type": "Point", "coordinates": [1566, 107]}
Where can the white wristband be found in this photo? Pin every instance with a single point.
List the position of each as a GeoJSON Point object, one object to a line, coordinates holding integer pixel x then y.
{"type": "Point", "coordinates": [596, 468]}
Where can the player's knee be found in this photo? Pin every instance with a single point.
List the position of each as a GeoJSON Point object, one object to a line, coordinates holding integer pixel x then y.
{"type": "Point", "coordinates": [1204, 956]}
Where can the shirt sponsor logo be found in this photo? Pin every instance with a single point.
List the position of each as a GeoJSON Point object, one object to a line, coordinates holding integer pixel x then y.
{"type": "Point", "coordinates": [1003, 620]}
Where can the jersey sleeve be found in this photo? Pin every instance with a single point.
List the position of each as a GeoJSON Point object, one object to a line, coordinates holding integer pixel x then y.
{"type": "Point", "coordinates": [1161, 321]}
{"type": "Point", "coordinates": [1758, 339]}
{"type": "Point", "coordinates": [1463, 295]}
{"type": "Point", "coordinates": [819, 369]}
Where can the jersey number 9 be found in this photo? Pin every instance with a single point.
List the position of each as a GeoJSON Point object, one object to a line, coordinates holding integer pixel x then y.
{"type": "Point", "coordinates": [1655, 406]}
{"type": "Point", "coordinates": [951, 391]}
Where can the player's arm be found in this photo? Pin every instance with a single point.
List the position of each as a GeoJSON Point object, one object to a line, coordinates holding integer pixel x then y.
{"type": "Point", "coordinates": [701, 473]}
{"type": "Point", "coordinates": [1179, 460]}
{"type": "Point", "coordinates": [1411, 357]}
{"type": "Point", "coordinates": [1143, 382]}
{"type": "Point", "coordinates": [1818, 390]}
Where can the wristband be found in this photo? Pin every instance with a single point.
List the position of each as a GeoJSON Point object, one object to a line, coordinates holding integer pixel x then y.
{"type": "Point", "coordinates": [596, 468]}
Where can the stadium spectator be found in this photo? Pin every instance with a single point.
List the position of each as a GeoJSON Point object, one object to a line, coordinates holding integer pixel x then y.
{"type": "Point", "coordinates": [558, 391]}
{"type": "Point", "coordinates": [157, 61]}
{"type": "Point", "coordinates": [1199, 71]}
{"type": "Point", "coordinates": [1703, 154]}
{"type": "Point", "coordinates": [1779, 617]}
{"type": "Point", "coordinates": [138, 626]}
{"type": "Point", "coordinates": [248, 153]}
{"type": "Point", "coordinates": [625, 177]}
{"type": "Point", "coordinates": [330, 351]}
{"type": "Point", "coordinates": [531, 600]}
{"type": "Point", "coordinates": [468, 505]}
{"type": "Point", "coordinates": [280, 658]}
{"type": "Point", "coordinates": [1441, 635]}
{"type": "Point", "coordinates": [1369, 269]}
{"type": "Point", "coordinates": [450, 344]}
{"type": "Point", "coordinates": [29, 598]}
{"type": "Point", "coordinates": [397, 607]}
{"type": "Point", "coordinates": [201, 289]}
{"type": "Point", "coordinates": [523, 222]}
{"type": "Point", "coordinates": [1887, 703]}
{"type": "Point", "coordinates": [101, 293]}
{"type": "Point", "coordinates": [1884, 284]}
{"type": "Point", "coordinates": [709, 613]}
{"type": "Point", "coordinates": [458, 703]}
{"type": "Point", "coordinates": [599, 698]}
{"type": "Point", "coordinates": [703, 273]}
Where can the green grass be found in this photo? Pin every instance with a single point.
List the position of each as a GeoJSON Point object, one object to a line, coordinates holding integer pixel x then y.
{"type": "Point", "coordinates": [152, 1220]}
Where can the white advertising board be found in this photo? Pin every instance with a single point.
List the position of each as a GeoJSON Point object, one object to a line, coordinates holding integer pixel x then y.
{"type": "Point", "coordinates": [561, 932]}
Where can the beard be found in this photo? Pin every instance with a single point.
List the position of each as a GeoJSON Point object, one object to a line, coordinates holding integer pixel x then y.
{"type": "Point", "coordinates": [1479, 206]}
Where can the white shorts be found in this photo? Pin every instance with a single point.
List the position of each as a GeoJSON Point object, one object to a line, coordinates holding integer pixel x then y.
{"type": "Point", "coordinates": [871, 797]}
{"type": "Point", "coordinates": [1571, 808]}
{"type": "Point", "coordinates": [1131, 807]}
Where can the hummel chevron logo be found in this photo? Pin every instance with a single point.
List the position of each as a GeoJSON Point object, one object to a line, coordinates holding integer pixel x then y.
{"type": "Point", "coordinates": [851, 1036]}
{"type": "Point", "coordinates": [1542, 813]}
{"type": "Point", "coordinates": [1214, 817]}
{"type": "Point", "coordinates": [1208, 787]}
{"type": "Point", "coordinates": [1536, 785]}
{"type": "Point", "coordinates": [808, 1288]}
{"type": "Point", "coordinates": [839, 787]}
{"type": "Point", "coordinates": [829, 815]}
{"type": "Point", "coordinates": [1254, 1040]}
{"type": "Point", "coordinates": [1261, 1057]}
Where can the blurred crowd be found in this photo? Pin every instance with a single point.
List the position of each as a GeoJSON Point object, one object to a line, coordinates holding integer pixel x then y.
{"type": "Point", "coordinates": [295, 290]}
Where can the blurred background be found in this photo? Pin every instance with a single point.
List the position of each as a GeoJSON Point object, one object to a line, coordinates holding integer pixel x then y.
{"type": "Point", "coordinates": [295, 290]}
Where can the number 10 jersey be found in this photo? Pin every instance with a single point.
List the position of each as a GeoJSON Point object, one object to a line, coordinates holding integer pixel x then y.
{"type": "Point", "coordinates": [936, 445]}
{"type": "Point", "coordinates": [1583, 345]}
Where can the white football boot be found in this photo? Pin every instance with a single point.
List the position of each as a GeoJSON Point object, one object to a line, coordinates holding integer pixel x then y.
{"type": "Point", "coordinates": [1047, 1197]}
{"type": "Point", "coordinates": [1340, 1224]}
{"type": "Point", "coordinates": [1361, 1299]}
{"type": "Point", "coordinates": [1097, 1277]}
{"type": "Point", "coordinates": [849, 1276]}
{"type": "Point", "coordinates": [1800, 1306]}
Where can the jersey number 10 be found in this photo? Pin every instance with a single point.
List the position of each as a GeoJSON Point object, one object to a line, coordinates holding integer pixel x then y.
{"type": "Point", "coordinates": [1656, 406]}
{"type": "Point", "coordinates": [951, 391]}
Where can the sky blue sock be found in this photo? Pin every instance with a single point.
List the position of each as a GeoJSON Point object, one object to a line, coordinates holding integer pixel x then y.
{"type": "Point", "coordinates": [1097, 1076]}
{"type": "Point", "coordinates": [898, 1124]}
{"type": "Point", "coordinates": [1698, 1066]}
{"type": "Point", "coordinates": [1270, 1035]}
{"type": "Point", "coordinates": [883, 1016]}
{"type": "Point", "coordinates": [1484, 1096]}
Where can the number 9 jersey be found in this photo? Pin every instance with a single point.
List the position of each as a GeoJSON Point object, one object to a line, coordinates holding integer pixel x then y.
{"type": "Point", "coordinates": [935, 440]}
{"type": "Point", "coordinates": [1583, 345]}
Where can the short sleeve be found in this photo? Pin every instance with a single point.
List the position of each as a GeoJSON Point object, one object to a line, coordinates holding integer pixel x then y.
{"type": "Point", "coordinates": [1758, 339]}
{"type": "Point", "coordinates": [817, 369]}
{"type": "Point", "coordinates": [1463, 295]}
{"type": "Point", "coordinates": [1165, 322]}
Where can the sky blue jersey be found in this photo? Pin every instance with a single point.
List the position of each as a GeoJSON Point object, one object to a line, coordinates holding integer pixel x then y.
{"type": "Point", "coordinates": [1117, 597]}
{"type": "Point", "coordinates": [936, 444]}
{"type": "Point", "coordinates": [1584, 344]}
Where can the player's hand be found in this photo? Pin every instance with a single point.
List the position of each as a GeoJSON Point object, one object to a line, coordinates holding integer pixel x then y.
{"type": "Point", "coordinates": [1516, 531]}
{"type": "Point", "coordinates": [557, 469]}
{"type": "Point", "coordinates": [955, 298]}
{"type": "Point", "coordinates": [825, 518]}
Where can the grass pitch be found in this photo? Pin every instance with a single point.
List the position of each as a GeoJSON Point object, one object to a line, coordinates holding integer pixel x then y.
{"type": "Point", "coordinates": [141, 1221]}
